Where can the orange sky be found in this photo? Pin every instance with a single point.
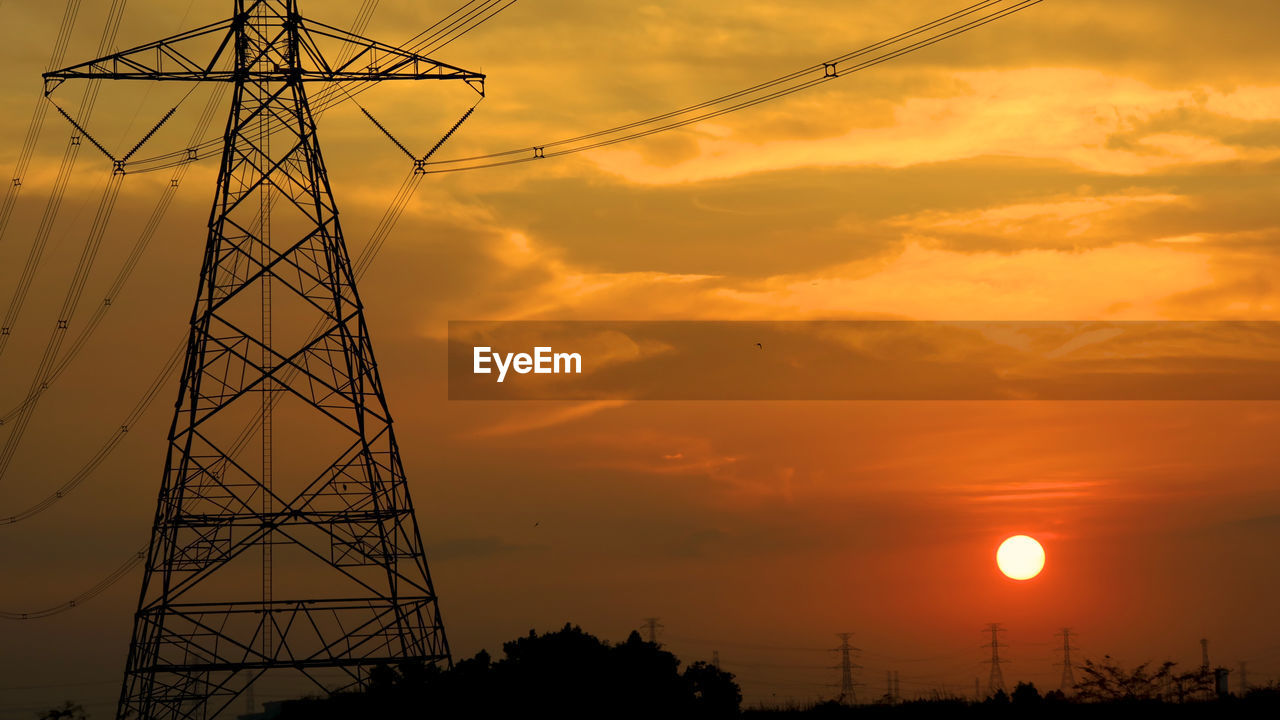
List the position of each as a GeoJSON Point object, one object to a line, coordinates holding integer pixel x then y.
{"type": "Point", "coordinates": [1080, 161]}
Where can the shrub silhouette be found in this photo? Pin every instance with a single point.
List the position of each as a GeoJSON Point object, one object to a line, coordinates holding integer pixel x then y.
{"type": "Point", "coordinates": [1025, 694]}
{"type": "Point", "coordinates": [67, 711]}
{"type": "Point", "coordinates": [564, 674]}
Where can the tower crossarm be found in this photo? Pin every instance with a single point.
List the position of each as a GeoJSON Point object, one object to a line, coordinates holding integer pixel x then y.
{"type": "Point", "coordinates": [179, 58]}
{"type": "Point", "coordinates": [371, 60]}
{"type": "Point", "coordinates": [173, 58]}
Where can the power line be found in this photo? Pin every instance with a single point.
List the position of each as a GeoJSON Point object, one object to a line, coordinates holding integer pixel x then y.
{"type": "Point", "coordinates": [113, 440]}
{"type": "Point", "coordinates": [764, 92]}
{"type": "Point", "coordinates": [473, 19]}
{"type": "Point", "coordinates": [48, 373]}
{"type": "Point", "coordinates": [44, 379]}
{"type": "Point", "coordinates": [943, 28]}
{"type": "Point", "coordinates": [38, 115]}
{"type": "Point", "coordinates": [756, 646]}
{"type": "Point", "coordinates": [114, 577]}
{"type": "Point", "coordinates": [93, 242]}
{"type": "Point", "coordinates": [830, 70]}
{"type": "Point", "coordinates": [60, 183]}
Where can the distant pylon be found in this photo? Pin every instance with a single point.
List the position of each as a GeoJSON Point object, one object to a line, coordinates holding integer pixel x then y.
{"type": "Point", "coordinates": [897, 687]}
{"type": "Point", "coordinates": [891, 686]}
{"type": "Point", "coordinates": [651, 627]}
{"type": "Point", "coordinates": [1204, 654]}
{"type": "Point", "coordinates": [715, 659]}
{"type": "Point", "coordinates": [995, 681]}
{"type": "Point", "coordinates": [1068, 677]}
{"type": "Point", "coordinates": [847, 695]}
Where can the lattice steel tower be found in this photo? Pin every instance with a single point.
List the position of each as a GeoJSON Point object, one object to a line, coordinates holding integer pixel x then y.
{"type": "Point", "coordinates": [1068, 682]}
{"type": "Point", "coordinates": [847, 666]}
{"type": "Point", "coordinates": [995, 681]}
{"type": "Point", "coordinates": [296, 553]}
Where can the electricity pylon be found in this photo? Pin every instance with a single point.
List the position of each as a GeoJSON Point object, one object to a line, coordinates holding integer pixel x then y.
{"type": "Point", "coordinates": [651, 628]}
{"type": "Point", "coordinates": [995, 681]}
{"type": "Point", "coordinates": [848, 695]}
{"type": "Point", "coordinates": [1068, 682]}
{"type": "Point", "coordinates": [298, 554]}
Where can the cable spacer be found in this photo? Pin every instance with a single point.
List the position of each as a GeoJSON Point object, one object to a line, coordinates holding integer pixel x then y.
{"type": "Point", "coordinates": [539, 153]}
{"type": "Point", "coordinates": [829, 70]}
{"type": "Point", "coordinates": [117, 167]}
{"type": "Point", "coordinates": [420, 167]}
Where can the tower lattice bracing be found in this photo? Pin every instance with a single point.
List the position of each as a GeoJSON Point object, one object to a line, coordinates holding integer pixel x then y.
{"type": "Point", "coordinates": [284, 539]}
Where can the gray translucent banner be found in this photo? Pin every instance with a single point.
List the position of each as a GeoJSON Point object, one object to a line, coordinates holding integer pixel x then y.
{"type": "Point", "coordinates": [864, 360]}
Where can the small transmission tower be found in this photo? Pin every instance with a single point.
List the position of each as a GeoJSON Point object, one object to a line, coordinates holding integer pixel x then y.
{"type": "Point", "coordinates": [298, 554]}
{"type": "Point", "coordinates": [995, 681]}
{"type": "Point", "coordinates": [1068, 681]}
{"type": "Point", "coordinates": [847, 666]}
{"type": "Point", "coordinates": [651, 627]}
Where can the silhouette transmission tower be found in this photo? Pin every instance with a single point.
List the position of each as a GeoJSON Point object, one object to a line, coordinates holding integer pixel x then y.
{"type": "Point", "coordinates": [651, 627]}
{"type": "Point", "coordinates": [289, 555]}
{"type": "Point", "coordinates": [847, 666]}
{"type": "Point", "coordinates": [1068, 681]}
{"type": "Point", "coordinates": [995, 681]}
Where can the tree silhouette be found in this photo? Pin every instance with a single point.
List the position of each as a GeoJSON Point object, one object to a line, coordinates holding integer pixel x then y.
{"type": "Point", "coordinates": [68, 711]}
{"type": "Point", "coordinates": [1025, 694]}
{"type": "Point", "coordinates": [564, 674]}
{"type": "Point", "coordinates": [1107, 681]}
{"type": "Point", "coordinates": [715, 693]}
{"type": "Point", "coordinates": [999, 697]}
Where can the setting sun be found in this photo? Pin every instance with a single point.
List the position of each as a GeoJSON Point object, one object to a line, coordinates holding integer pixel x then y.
{"type": "Point", "coordinates": [1020, 557]}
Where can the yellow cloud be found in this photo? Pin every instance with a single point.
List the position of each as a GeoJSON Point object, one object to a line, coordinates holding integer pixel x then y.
{"type": "Point", "coordinates": [1120, 282]}
{"type": "Point", "coordinates": [1064, 114]}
